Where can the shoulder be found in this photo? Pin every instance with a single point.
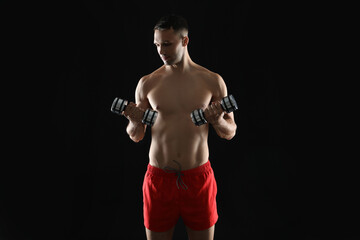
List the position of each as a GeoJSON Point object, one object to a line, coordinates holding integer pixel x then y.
{"type": "Point", "coordinates": [209, 76]}
{"type": "Point", "coordinates": [214, 80]}
{"type": "Point", "coordinates": [146, 82]}
{"type": "Point", "coordinates": [150, 78]}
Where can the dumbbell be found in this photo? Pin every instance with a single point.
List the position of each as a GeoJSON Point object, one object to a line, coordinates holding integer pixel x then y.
{"type": "Point", "coordinates": [228, 104]}
{"type": "Point", "coordinates": [119, 105]}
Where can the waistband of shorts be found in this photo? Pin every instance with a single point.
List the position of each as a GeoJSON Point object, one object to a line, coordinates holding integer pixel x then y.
{"type": "Point", "coordinates": [193, 171]}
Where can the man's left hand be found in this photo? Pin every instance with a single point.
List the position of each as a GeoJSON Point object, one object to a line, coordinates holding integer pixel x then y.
{"type": "Point", "coordinates": [214, 113]}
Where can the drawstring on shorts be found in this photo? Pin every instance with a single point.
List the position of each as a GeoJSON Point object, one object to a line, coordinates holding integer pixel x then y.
{"type": "Point", "coordinates": [178, 173]}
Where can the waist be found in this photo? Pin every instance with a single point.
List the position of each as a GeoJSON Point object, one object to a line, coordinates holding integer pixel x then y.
{"type": "Point", "coordinates": [206, 167]}
{"type": "Point", "coordinates": [189, 153]}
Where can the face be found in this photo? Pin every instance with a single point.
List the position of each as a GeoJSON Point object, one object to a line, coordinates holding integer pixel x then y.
{"type": "Point", "coordinates": [170, 46]}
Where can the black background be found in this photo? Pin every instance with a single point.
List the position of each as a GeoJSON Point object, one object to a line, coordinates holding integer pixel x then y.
{"type": "Point", "coordinates": [75, 174]}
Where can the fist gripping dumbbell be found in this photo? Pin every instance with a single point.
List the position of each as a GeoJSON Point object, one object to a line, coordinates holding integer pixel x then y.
{"type": "Point", "coordinates": [228, 104]}
{"type": "Point", "coordinates": [119, 105]}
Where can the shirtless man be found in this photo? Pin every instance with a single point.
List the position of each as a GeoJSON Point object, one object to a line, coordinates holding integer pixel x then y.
{"type": "Point", "coordinates": [179, 180]}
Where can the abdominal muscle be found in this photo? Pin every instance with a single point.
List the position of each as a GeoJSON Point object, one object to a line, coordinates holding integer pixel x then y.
{"type": "Point", "coordinates": [176, 139]}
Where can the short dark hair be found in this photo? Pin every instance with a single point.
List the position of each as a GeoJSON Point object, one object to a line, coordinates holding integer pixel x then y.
{"type": "Point", "coordinates": [174, 21]}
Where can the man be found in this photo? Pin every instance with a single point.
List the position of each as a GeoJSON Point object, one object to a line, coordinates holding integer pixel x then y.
{"type": "Point", "coordinates": [179, 180]}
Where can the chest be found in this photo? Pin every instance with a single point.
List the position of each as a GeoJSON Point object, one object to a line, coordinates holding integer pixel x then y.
{"type": "Point", "coordinates": [181, 95]}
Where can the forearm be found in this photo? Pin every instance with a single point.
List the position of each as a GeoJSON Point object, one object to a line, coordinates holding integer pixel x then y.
{"type": "Point", "coordinates": [136, 131]}
{"type": "Point", "coordinates": [225, 128]}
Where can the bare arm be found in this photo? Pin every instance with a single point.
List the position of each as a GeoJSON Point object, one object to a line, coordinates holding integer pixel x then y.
{"type": "Point", "coordinates": [223, 123]}
{"type": "Point", "coordinates": [226, 126]}
{"type": "Point", "coordinates": [135, 112]}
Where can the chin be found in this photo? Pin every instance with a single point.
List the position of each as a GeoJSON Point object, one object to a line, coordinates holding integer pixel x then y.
{"type": "Point", "coordinates": [170, 63]}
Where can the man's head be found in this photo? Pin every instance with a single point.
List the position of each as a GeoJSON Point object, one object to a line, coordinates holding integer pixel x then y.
{"type": "Point", "coordinates": [171, 38]}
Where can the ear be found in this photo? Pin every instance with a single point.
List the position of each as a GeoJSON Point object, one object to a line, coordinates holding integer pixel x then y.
{"type": "Point", "coordinates": [185, 41]}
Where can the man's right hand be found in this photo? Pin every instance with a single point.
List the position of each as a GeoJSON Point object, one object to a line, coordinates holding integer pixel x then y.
{"type": "Point", "coordinates": [133, 113]}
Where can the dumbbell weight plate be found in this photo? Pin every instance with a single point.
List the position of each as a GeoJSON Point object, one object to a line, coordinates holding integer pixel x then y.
{"type": "Point", "coordinates": [229, 104]}
{"type": "Point", "coordinates": [197, 116]}
{"type": "Point", "coordinates": [149, 117]}
{"type": "Point", "coordinates": [118, 105]}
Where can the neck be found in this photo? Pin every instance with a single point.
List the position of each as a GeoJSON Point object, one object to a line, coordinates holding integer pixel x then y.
{"type": "Point", "coordinates": [181, 66]}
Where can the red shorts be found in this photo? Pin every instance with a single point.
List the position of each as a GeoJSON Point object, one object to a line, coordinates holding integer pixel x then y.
{"type": "Point", "coordinates": [169, 195]}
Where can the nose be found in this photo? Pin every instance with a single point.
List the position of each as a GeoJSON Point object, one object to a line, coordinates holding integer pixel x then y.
{"type": "Point", "coordinates": [161, 50]}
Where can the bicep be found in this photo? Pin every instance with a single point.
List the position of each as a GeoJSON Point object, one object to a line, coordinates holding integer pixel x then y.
{"type": "Point", "coordinates": [219, 93]}
{"type": "Point", "coordinates": [141, 99]}
{"type": "Point", "coordinates": [219, 89]}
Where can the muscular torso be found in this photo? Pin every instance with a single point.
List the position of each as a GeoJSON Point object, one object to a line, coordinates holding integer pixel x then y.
{"type": "Point", "coordinates": [174, 136]}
